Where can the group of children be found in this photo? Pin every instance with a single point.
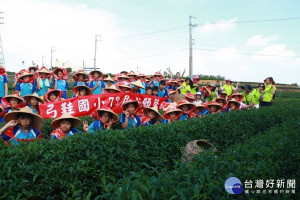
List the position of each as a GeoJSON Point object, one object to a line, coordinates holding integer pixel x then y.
{"type": "Point", "coordinates": [20, 110]}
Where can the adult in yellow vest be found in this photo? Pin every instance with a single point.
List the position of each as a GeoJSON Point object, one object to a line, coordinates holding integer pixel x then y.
{"type": "Point", "coordinates": [214, 93]}
{"type": "Point", "coordinates": [248, 96]}
{"type": "Point", "coordinates": [228, 87]}
{"type": "Point", "coordinates": [188, 86]}
{"type": "Point", "coordinates": [269, 92]}
{"type": "Point", "coordinates": [258, 94]}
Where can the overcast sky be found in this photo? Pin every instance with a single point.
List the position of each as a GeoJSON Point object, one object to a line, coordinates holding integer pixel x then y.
{"type": "Point", "coordinates": [243, 40]}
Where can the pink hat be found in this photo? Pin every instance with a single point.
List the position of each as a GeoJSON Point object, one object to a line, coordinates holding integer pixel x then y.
{"type": "Point", "coordinates": [196, 77]}
{"type": "Point", "coordinates": [229, 79]}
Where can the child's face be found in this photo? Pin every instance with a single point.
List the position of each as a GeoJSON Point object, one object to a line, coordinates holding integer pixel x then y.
{"type": "Point", "coordinates": [196, 111]}
{"type": "Point", "coordinates": [130, 108]}
{"type": "Point", "coordinates": [232, 105]}
{"type": "Point", "coordinates": [65, 125]}
{"type": "Point", "coordinates": [13, 101]}
{"type": "Point", "coordinates": [125, 89]}
{"type": "Point", "coordinates": [151, 115]}
{"type": "Point", "coordinates": [213, 108]}
{"type": "Point", "coordinates": [26, 78]}
{"type": "Point", "coordinates": [112, 91]}
{"type": "Point", "coordinates": [156, 78]}
{"type": "Point", "coordinates": [155, 92]}
{"type": "Point", "coordinates": [161, 87]}
{"type": "Point", "coordinates": [136, 88]}
{"type": "Point", "coordinates": [60, 74]}
{"type": "Point", "coordinates": [149, 92]}
{"type": "Point", "coordinates": [82, 92]}
{"type": "Point", "coordinates": [109, 83]}
{"type": "Point", "coordinates": [80, 77]}
{"type": "Point", "coordinates": [96, 75]}
{"type": "Point", "coordinates": [32, 71]}
{"type": "Point", "coordinates": [42, 75]}
{"type": "Point", "coordinates": [220, 102]}
{"type": "Point", "coordinates": [122, 79]}
{"type": "Point", "coordinates": [172, 115]}
{"type": "Point", "coordinates": [237, 98]}
{"type": "Point", "coordinates": [198, 97]}
{"type": "Point", "coordinates": [52, 96]}
{"type": "Point", "coordinates": [33, 101]}
{"type": "Point", "coordinates": [105, 117]}
{"type": "Point", "coordinates": [222, 95]}
{"type": "Point", "coordinates": [185, 108]}
{"type": "Point", "coordinates": [131, 77]}
{"type": "Point", "coordinates": [25, 121]}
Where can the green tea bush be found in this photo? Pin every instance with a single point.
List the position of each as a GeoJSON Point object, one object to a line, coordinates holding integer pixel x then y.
{"type": "Point", "coordinates": [88, 165]}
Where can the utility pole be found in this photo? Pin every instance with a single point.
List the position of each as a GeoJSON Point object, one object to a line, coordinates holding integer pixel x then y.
{"type": "Point", "coordinates": [191, 26]}
{"type": "Point", "coordinates": [2, 61]}
{"type": "Point", "coordinates": [52, 49]}
{"type": "Point", "coordinates": [96, 39]}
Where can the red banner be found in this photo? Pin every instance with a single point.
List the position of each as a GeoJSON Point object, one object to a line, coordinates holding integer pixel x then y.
{"type": "Point", "coordinates": [86, 105]}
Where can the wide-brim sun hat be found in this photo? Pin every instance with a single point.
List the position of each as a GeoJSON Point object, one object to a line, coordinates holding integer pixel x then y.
{"type": "Point", "coordinates": [141, 75]}
{"type": "Point", "coordinates": [44, 70]}
{"type": "Point", "coordinates": [66, 116]}
{"type": "Point", "coordinates": [107, 109]}
{"type": "Point", "coordinates": [171, 91]}
{"type": "Point", "coordinates": [212, 84]}
{"type": "Point", "coordinates": [135, 102]}
{"type": "Point", "coordinates": [214, 103]}
{"type": "Point", "coordinates": [123, 76]}
{"type": "Point", "coordinates": [190, 96]}
{"type": "Point", "coordinates": [76, 74]}
{"type": "Point", "coordinates": [131, 73]}
{"type": "Point", "coordinates": [88, 90]}
{"type": "Point", "coordinates": [147, 109]}
{"type": "Point", "coordinates": [173, 109]}
{"type": "Point", "coordinates": [108, 79]}
{"type": "Point", "coordinates": [237, 94]}
{"type": "Point", "coordinates": [222, 99]}
{"type": "Point", "coordinates": [28, 97]}
{"type": "Point", "coordinates": [237, 104]}
{"type": "Point", "coordinates": [200, 106]}
{"type": "Point", "coordinates": [25, 74]}
{"type": "Point", "coordinates": [35, 68]}
{"type": "Point", "coordinates": [138, 83]}
{"type": "Point", "coordinates": [112, 87]}
{"type": "Point", "coordinates": [37, 121]}
{"type": "Point", "coordinates": [94, 71]}
{"type": "Point", "coordinates": [15, 95]}
{"type": "Point", "coordinates": [185, 102]}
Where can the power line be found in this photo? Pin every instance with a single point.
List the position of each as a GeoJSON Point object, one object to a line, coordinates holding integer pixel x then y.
{"type": "Point", "coordinates": [254, 54]}
{"type": "Point", "coordinates": [149, 33]}
{"type": "Point", "coordinates": [254, 21]}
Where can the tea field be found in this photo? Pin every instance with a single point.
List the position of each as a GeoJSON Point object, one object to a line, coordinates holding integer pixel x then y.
{"type": "Point", "coordinates": [145, 162]}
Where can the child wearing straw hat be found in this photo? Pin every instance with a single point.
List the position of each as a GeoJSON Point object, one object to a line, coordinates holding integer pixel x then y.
{"type": "Point", "coordinates": [124, 86]}
{"type": "Point", "coordinates": [137, 86]}
{"type": "Point", "coordinates": [33, 69]}
{"type": "Point", "coordinates": [13, 102]}
{"type": "Point", "coordinates": [197, 112]}
{"type": "Point", "coordinates": [96, 84]}
{"type": "Point", "coordinates": [214, 107]}
{"type": "Point", "coordinates": [82, 90]}
{"type": "Point", "coordinates": [3, 82]}
{"type": "Point", "coordinates": [152, 116]}
{"type": "Point", "coordinates": [80, 78]}
{"type": "Point", "coordinates": [190, 97]}
{"type": "Point", "coordinates": [186, 107]}
{"type": "Point", "coordinates": [33, 101]}
{"type": "Point", "coordinates": [129, 118]}
{"type": "Point", "coordinates": [239, 97]}
{"type": "Point", "coordinates": [223, 103]}
{"type": "Point", "coordinates": [111, 89]}
{"type": "Point", "coordinates": [171, 115]}
{"type": "Point", "coordinates": [156, 78]}
{"type": "Point", "coordinates": [233, 105]}
{"type": "Point", "coordinates": [141, 77]}
{"type": "Point", "coordinates": [132, 76]}
{"type": "Point", "coordinates": [53, 95]}
{"type": "Point", "coordinates": [21, 125]}
{"type": "Point", "coordinates": [26, 84]}
{"type": "Point", "coordinates": [105, 118]}
{"type": "Point", "coordinates": [43, 81]}
{"type": "Point", "coordinates": [108, 81]}
{"type": "Point", "coordinates": [60, 80]}
{"type": "Point", "coordinates": [65, 126]}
